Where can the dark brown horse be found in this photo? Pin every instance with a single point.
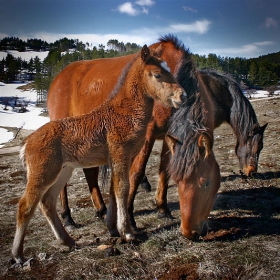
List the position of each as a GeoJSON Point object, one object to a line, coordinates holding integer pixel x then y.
{"type": "Point", "coordinates": [85, 81]}
{"type": "Point", "coordinates": [113, 133]}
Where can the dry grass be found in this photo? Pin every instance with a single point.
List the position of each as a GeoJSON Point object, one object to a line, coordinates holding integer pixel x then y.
{"type": "Point", "coordinates": [243, 240]}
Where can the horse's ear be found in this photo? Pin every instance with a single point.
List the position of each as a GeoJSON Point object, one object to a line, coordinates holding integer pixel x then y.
{"type": "Point", "coordinates": [171, 142]}
{"type": "Point", "coordinates": [258, 129]}
{"type": "Point", "coordinates": [158, 51]}
{"type": "Point", "coordinates": [145, 54]}
{"type": "Point", "coordinates": [205, 143]}
{"type": "Point", "coordinates": [264, 127]}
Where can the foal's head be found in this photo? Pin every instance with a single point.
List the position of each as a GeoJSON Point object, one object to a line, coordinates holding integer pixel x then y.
{"type": "Point", "coordinates": [160, 82]}
{"type": "Point", "coordinates": [249, 151]}
{"type": "Point", "coordinates": [198, 182]}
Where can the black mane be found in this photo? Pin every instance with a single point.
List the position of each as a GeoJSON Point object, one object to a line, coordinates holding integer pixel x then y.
{"type": "Point", "coordinates": [242, 115]}
{"type": "Point", "coordinates": [186, 70]}
{"type": "Point", "coordinates": [186, 125]}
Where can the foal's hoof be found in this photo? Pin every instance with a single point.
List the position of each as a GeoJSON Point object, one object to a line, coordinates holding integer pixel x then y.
{"type": "Point", "coordinates": [129, 237]}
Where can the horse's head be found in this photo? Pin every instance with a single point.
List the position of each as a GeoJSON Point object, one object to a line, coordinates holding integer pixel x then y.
{"type": "Point", "coordinates": [249, 151]}
{"type": "Point", "coordinates": [197, 190]}
{"type": "Point", "coordinates": [160, 82]}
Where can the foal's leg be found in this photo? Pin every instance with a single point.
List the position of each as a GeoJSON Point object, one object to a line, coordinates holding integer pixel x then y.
{"type": "Point", "coordinates": [117, 214]}
{"type": "Point", "coordinates": [48, 207]}
{"type": "Point", "coordinates": [161, 194]}
{"type": "Point", "coordinates": [26, 207]}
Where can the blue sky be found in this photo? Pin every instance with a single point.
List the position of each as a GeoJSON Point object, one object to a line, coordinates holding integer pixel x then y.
{"type": "Point", "coordinates": [243, 28]}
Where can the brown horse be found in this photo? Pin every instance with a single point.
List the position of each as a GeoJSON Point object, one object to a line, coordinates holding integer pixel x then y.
{"type": "Point", "coordinates": [193, 165]}
{"type": "Point", "coordinates": [113, 133]}
{"type": "Point", "coordinates": [85, 81]}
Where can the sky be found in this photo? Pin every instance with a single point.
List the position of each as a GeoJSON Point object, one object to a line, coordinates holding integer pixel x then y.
{"type": "Point", "coordinates": [233, 28]}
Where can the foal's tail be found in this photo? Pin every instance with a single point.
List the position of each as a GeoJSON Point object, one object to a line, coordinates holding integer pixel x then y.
{"type": "Point", "coordinates": [22, 154]}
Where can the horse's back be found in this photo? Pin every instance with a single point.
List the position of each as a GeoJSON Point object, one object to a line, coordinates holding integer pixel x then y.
{"type": "Point", "coordinates": [84, 85]}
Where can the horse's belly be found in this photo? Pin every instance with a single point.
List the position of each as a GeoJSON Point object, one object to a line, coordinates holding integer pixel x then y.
{"type": "Point", "coordinates": [89, 159]}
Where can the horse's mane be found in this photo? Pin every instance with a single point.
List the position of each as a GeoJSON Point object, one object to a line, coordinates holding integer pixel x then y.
{"type": "Point", "coordinates": [186, 125]}
{"type": "Point", "coordinates": [242, 117]}
{"type": "Point", "coordinates": [122, 78]}
{"type": "Point", "coordinates": [186, 70]}
{"type": "Point", "coordinates": [187, 122]}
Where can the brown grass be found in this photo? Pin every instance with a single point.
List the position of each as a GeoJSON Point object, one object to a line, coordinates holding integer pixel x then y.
{"type": "Point", "coordinates": [243, 241]}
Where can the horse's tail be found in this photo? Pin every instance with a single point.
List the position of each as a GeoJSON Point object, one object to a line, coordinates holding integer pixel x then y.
{"type": "Point", "coordinates": [22, 153]}
{"type": "Point", "coordinates": [104, 175]}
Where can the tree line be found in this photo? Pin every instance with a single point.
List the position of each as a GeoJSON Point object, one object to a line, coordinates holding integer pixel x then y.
{"type": "Point", "coordinates": [260, 72]}
{"type": "Point", "coordinates": [256, 72]}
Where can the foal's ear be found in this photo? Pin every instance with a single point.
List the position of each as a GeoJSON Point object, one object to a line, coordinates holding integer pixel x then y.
{"type": "Point", "coordinates": [205, 142]}
{"type": "Point", "coordinates": [171, 142]}
{"type": "Point", "coordinates": [158, 51]}
{"type": "Point", "coordinates": [145, 54]}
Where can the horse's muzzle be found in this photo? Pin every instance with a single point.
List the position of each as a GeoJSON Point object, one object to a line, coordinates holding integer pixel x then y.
{"type": "Point", "coordinates": [194, 234]}
{"type": "Point", "coordinates": [178, 98]}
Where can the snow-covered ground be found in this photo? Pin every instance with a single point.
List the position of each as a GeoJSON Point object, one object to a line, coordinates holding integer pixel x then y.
{"type": "Point", "coordinates": [10, 118]}
{"type": "Point", "coordinates": [31, 119]}
{"type": "Point", "coordinates": [24, 55]}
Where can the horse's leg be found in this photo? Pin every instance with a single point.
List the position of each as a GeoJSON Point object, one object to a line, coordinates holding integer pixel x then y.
{"type": "Point", "coordinates": [137, 172]}
{"type": "Point", "coordinates": [26, 207]}
{"type": "Point", "coordinates": [65, 210]}
{"type": "Point", "coordinates": [48, 207]}
{"type": "Point", "coordinates": [161, 194]}
{"type": "Point", "coordinates": [117, 214]}
{"type": "Point", "coordinates": [92, 180]}
{"type": "Point", "coordinates": [145, 184]}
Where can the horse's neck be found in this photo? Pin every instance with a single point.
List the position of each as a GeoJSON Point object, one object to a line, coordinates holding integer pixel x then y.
{"type": "Point", "coordinates": [133, 92]}
{"type": "Point", "coordinates": [231, 106]}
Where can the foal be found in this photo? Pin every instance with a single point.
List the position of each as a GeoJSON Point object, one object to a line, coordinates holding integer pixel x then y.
{"type": "Point", "coordinates": [113, 133]}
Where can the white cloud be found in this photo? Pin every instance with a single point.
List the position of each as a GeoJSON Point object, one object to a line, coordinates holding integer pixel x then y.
{"type": "Point", "coordinates": [148, 3]}
{"type": "Point", "coordinates": [200, 26]}
{"type": "Point", "coordinates": [130, 9]}
{"type": "Point", "coordinates": [189, 9]}
{"type": "Point", "coordinates": [248, 50]}
{"type": "Point", "coordinates": [127, 8]}
{"type": "Point", "coordinates": [270, 22]}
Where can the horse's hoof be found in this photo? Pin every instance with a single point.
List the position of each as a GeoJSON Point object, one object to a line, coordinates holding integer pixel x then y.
{"type": "Point", "coordinates": [129, 237]}
{"type": "Point", "coordinates": [114, 233]}
{"type": "Point", "coordinates": [165, 214]}
{"type": "Point", "coordinates": [146, 186]}
{"type": "Point", "coordinates": [101, 214]}
{"type": "Point", "coordinates": [70, 227]}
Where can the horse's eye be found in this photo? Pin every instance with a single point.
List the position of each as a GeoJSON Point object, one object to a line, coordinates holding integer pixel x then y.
{"type": "Point", "coordinates": [157, 76]}
{"type": "Point", "coordinates": [204, 183]}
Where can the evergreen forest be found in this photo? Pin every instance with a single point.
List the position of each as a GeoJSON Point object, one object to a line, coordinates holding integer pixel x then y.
{"type": "Point", "coordinates": [260, 72]}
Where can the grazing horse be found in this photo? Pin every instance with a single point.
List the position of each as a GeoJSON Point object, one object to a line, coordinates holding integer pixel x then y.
{"type": "Point", "coordinates": [230, 106]}
{"type": "Point", "coordinates": [113, 133]}
{"type": "Point", "coordinates": [85, 83]}
{"type": "Point", "coordinates": [193, 165]}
